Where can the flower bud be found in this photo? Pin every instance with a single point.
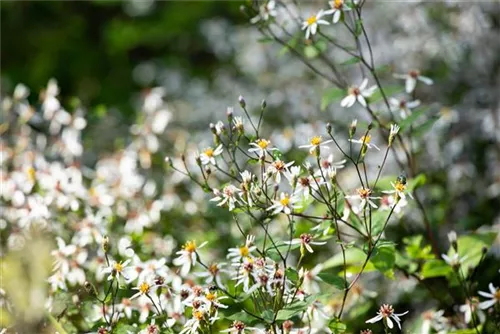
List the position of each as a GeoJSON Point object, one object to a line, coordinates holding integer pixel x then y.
{"type": "Point", "coordinates": [229, 114]}
{"type": "Point", "coordinates": [242, 102]}
{"type": "Point", "coordinates": [213, 129]}
{"type": "Point", "coordinates": [352, 128]}
{"type": "Point", "coordinates": [263, 104]}
{"type": "Point", "coordinates": [208, 170]}
{"type": "Point", "coordinates": [329, 128]}
{"type": "Point", "coordinates": [105, 244]}
{"type": "Point", "coordinates": [198, 160]}
{"type": "Point", "coordinates": [90, 288]}
{"type": "Point", "coordinates": [452, 238]}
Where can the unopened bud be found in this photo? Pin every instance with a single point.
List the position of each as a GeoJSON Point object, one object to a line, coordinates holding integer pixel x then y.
{"type": "Point", "coordinates": [263, 104]}
{"type": "Point", "coordinates": [183, 157]}
{"type": "Point", "coordinates": [370, 126]}
{"type": "Point", "coordinates": [212, 128]}
{"type": "Point", "coordinates": [198, 160]}
{"type": "Point", "coordinates": [105, 244]}
{"type": "Point", "coordinates": [452, 238]}
{"type": "Point", "coordinates": [229, 114]}
{"type": "Point", "coordinates": [208, 170]}
{"type": "Point", "coordinates": [352, 128]}
{"type": "Point", "coordinates": [276, 187]}
{"type": "Point", "coordinates": [168, 161]}
{"type": "Point", "coordinates": [329, 128]}
{"type": "Point", "coordinates": [242, 102]}
{"type": "Point", "coordinates": [484, 249]}
{"type": "Point", "coordinates": [90, 289]}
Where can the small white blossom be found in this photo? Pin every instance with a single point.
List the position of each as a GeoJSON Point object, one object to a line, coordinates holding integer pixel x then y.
{"type": "Point", "coordinates": [338, 6]}
{"type": "Point", "coordinates": [358, 93]}
{"type": "Point", "coordinates": [386, 313]}
{"type": "Point", "coordinates": [404, 107]}
{"type": "Point", "coordinates": [209, 154]}
{"type": "Point", "coordinates": [493, 295]}
{"type": "Point", "coordinates": [285, 204]}
{"type": "Point", "coordinates": [411, 79]}
{"type": "Point", "coordinates": [311, 24]}
{"type": "Point", "coordinates": [315, 144]}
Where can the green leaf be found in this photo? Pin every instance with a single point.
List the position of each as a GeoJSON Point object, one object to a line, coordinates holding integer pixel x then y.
{"type": "Point", "coordinates": [384, 259]}
{"type": "Point", "coordinates": [337, 327]}
{"type": "Point", "coordinates": [332, 279]}
{"type": "Point", "coordinates": [265, 40]}
{"type": "Point", "coordinates": [292, 274]}
{"type": "Point", "coordinates": [416, 182]}
{"type": "Point", "coordinates": [56, 324]}
{"type": "Point", "coordinates": [295, 308]}
{"type": "Point", "coordinates": [242, 316]}
{"type": "Point", "coordinates": [470, 247]}
{"type": "Point", "coordinates": [415, 250]}
{"type": "Point", "coordinates": [435, 268]}
{"type": "Point", "coordinates": [351, 61]}
{"type": "Point", "coordinates": [358, 29]}
{"type": "Point", "coordinates": [332, 95]}
{"type": "Point", "coordinates": [268, 316]}
{"type": "Point", "coordinates": [352, 255]}
{"type": "Point", "coordinates": [388, 90]}
{"type": "Point", "coordinates": [407, 122]}
{"type": "Point", "coordinates": [422, 129]}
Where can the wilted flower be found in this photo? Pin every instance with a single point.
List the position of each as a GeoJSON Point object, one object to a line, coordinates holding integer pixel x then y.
{"type": "Point", "coordinates": [226, 196]}
{"type": "Point", "coordinates": [404, 107]}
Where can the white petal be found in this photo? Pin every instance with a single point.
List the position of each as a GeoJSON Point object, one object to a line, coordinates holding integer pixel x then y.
{"type": "Point", "coordinates": [485, 294]}
{"type": "Point", "coordinates": [389, 323]}
{"type": "Point", "coordinates": [426, 80]}
{"type": "Point", "coordinates": [336, 16]}
{"type": "Point", "coordinates": [487, 304]}
{"type": "Point", "coordinates": [410, 84]}
{"type": "Point", "coordinates": [314, 28]}
{"type": "Point", "coordinates": [363, 84]}
{"type": "Point", "coordinates": [362, 100]}
{"type": "Point", "coordinates": [374, 319]}
{"type": "Point", "coordinates": [413, 104]}
{"type": "Point", "coordinates": [348, 101]}
{"type": "Point", "coordinates": [492, 288]}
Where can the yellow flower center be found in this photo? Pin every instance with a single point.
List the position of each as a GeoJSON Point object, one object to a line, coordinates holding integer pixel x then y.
{"type": "Point", "coordinates": [211, 296]}
{"type": "Point", "coordinates": [213, 269]}
{"type": "Point", "coordinates": [263, 144]}
{"type": "Point", "coordinates": [338, 4]}
{"type": "Point", "coordinates": [311, 20]}
{"type": "Point", "coordinates": [497, 294]}
{"type": "Point", "coordinates": [198, 315]}
{"type": "Point", "coordinates": [364, 193]}
{"type": "Point", "coordinates": [209, 152]}
{"type": "Point", "coordinates": [285, 200]}
{"type": "Point", "coordinates": [190, 246]}
{"type": "Point", "coordinates": [366, 139]}
{"type": "Point", "coordinates": [399, 186]}
{"type": "Point", "coordinates": [118, 267]}
{"type": "Point", "coordinates": [316, 140]}
{"type": "Point", "coordinates": [144, 288]}
{"type": "Point", "coordinates": [31, 173]}
{"type": "Point", "coordinates": [244, 251]}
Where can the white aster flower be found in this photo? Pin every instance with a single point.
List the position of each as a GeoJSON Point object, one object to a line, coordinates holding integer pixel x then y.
{"type": "Point", "coordinates": [226, 196]}
{"type": "Point", "coordinates": [237, 254]}
{"type": "Point", "coordinates": [315, 144]}
{"type": "Point", "coordinates": [310, 282]}
{"type": "Point", "coordinates": [386, 313]}
{"type": "Point", "coordinates": [358, 93]}
{"type": "Point", "coordinates": [365, 141]}
{"type": "Point", "coordinates": [338, 6]}
{"type": "Point", "coordinates": [187, 256]}
{"type": "Point", "coordinates": [121, 270]}
{"type": "Point", "coordinates": [209, 154]}
{"type": "Point", "coordinates": [404, 107]}
{"type": "Point", "coordinates": [311, 24]}
{"type": "Point", "coordinates": [238, 327]}
{"type": "Point", "coordinates": [411, 79]}
{"type": "Point", "coordinates": [454, 260]}
{"type": "Point", "coordinates": [305, 240]}
{"type": "Point", "coordinates": [145, 288]}
{"type": "Point", "coordinates": [399, 190]}
{"type": "Point", "coordinates": [469, 308]}
{"type": "Point", "coordinates": [266, 11]}
{"type": "Point", "coordinates": [493, 295]}
{"type": "Point", "coordinates": [260, 147]}
{"type": "Point", "coordinates": [364, 196]}
{"type": "Point", "coordinates": [285, 204]}
{"type": "Point", "coordinates": [276, 168]}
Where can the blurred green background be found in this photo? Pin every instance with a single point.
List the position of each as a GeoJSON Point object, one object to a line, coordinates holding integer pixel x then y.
{"type": "Point", "coordinates": [92, 47]}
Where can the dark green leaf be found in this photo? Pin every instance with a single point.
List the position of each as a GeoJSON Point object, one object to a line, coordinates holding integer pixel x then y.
{"type": "Point", "coordinates": [435, 268]}
{"type": "Point", "coordinates": [332, 279]}
{"type": "Point", "coordinates": [384, 259]}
